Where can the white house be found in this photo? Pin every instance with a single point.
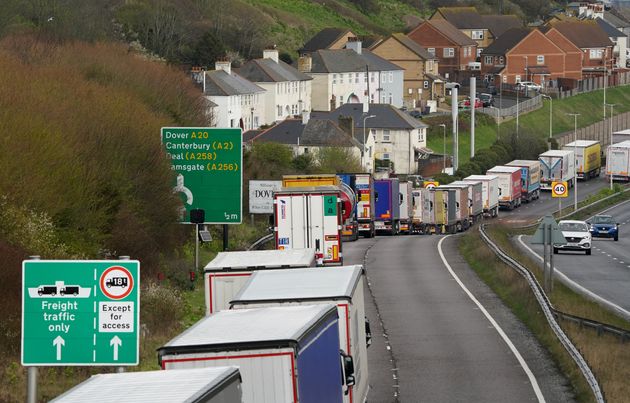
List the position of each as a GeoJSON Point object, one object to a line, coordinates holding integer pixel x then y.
{"type": "Point", "coordinates": [619, 39]}
{"type": "Point", "coordinates": [239, 102]}
{"type": "Point", "coordinates": [352, 75]}
{"type": "Point", "coordinates": [287, 91]}
{"type": "Point", "coordinates": [399, 139]}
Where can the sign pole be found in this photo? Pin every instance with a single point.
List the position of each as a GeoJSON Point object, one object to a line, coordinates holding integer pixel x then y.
{"type": "Point", "coordinates": [545, 257]}
{"type": "Point", "coordinates": [550, 261]}
{"type": "Point", "coordinates": [31, 381]}
{"type": "Point", "coordinates": [225, 237]}
{"type": "Point", "coordinates": [196, 247]}
{"type": "Point", "coordinates": [120, 370]}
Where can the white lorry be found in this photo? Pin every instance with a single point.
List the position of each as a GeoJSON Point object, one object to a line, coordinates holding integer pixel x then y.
{"type": "Point", "coordinates": [341, 286]}
{"type": "Point", "coordinates": [405, 207]}
{"type": "Point", "coordinates": [285, 354]}
{"type": "Point", "coordinates": [225, 275]}
{"type": "Point", "coordinates": [490, 192]}
{"type": "Point", "coordinates": [556, 166]}
{"type": "Point", "coordinates": [618, 161]}
{"type": "Point", "coordinates": [203, 385]}
{"type": "Point", "coordinates": [310, 217]}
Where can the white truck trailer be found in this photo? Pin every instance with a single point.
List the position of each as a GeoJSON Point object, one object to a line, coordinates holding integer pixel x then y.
{"type": "Point", "coordinates": [226, 274]}
{"type": "Point", "coordinates": [203, 385]}
{"type": "Point", "coordinates": [618, 161]}
{"type": "Point", "coordinates": [405, 207]}
{"type": "Point", "coordinates": [490, 192]}
{"type": "Point", "coordinates": [588, 158]}
{"type": "Point", "coordinates": [341, 286]}
{"type": "Point", "coordinates": [285, 354]}
{"type": "Point", "coordinates": [556, 166]}
{"type": "Point", "coordinates": [310, 217]}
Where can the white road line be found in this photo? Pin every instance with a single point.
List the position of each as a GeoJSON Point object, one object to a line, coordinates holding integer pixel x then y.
{"type": "Point", "coordinates": [506, 339]}
{"type": "Point", "coordinates": [576, 287]}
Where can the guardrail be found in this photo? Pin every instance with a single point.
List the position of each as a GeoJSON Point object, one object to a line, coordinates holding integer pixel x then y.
{"type": "Point", "coordinates": [260, 241]}
{"type": "Point", "coordinates": [550, 314]}
{"type": "Point", "coordinates": [523, 107]}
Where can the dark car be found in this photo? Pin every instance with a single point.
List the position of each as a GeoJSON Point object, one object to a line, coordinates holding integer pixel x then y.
{"type": "Point", "coordinates": [486, 99]}
{"type": "Point", "coordinates": [492, 89]}
{"type": "Point", "coordinates": [604, 226]}
{"type": "Point", "coordinates": [415, 114]}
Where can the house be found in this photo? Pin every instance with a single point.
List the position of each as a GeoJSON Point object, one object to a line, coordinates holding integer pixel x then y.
{"type": "Point", "coordinates": [327, 38]}
{"type": "Point", "coordinates": [572, 54]}
{"type": "Point", "coordinates": [620, 41]}
{"type": "Point", "coordinates": [309, 136]}
{"type": "Point", "coordinates": [236, 102]}
{"type": "Point", "coordinates": [483, 29]}
{"type": "Point", "coordinates": [399, 140]}
{"type": "Point", "coordinates": [455, 51]}
{"type": "Point", "coordinates": [422, 81]}
{"type": "Point", "coordinates": [524, 55]}
{"type": "Point", "coordinates": [287, 91]}
{"type": "Point", "coordinates": [619, 19]}
{"type": "Point", "coordinates": [592, 40]}
{"type": "Point", "coordinates": [351, 75]}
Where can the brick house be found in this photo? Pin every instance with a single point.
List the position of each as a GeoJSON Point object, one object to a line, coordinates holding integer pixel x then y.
{"type": "Point", "coordinates": [573, 54]}
{"type": "Point", "coordinates": [526, 56]}
{"type": "Point", "coordinates": [328, 38]}
{"type": "Point", "coordinates": [591, 39]}
{"type": "Point", "coordinates": [454, 50]}
{"type": "Point", "coordinates": [422, 82]}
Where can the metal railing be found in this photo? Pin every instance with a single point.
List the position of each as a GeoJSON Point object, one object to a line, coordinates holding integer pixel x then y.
{"type": "Point", "coordinates": [550, 314]}
{"type": "Point", "coordinates": [261, 241]}
{"type": "Point", "coordinates": [523, 107]}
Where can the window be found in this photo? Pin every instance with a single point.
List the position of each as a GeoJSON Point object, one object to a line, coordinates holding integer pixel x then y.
{"type": "Point", "coordinates": [449, 52]}
{"type": "Point", "coordinates": [351, 78]}
{"type": "Point", "coordinates": [365, 77]}
{"type": "Point", "coordinates": [431, 51]}
{"type": "Point", "coordinates": [487, 60]}
{"type": "Point", "coordinates": [356, 78]}
{"type": "Point", "coordinates": [391, 76]}
{"type": "Point", "coordinates": [256, 121]}
{"type": "Point", "coordinates": [391, 98]}
{"type": "Point", "coordinates": [479, 50]}
{"type": "Point", "coordinates": [501, 60]}
{"type": "Point", "coordinates": [540, 59]}
{"type": "Point", "coordinates": [425, 84]}
{"type": "Point", "coordinates": [383, 78]}
{"type": "Point", "coordinates": [596, 53]}
{"type": "Point", "coordinates": [517, 78]}
{"type": "Point", "coordinates": [334, 79]}
{"type": "Point", "coordinates": [420, 136]}
{"type": "Point", "coordinates": [430, 66]}
{"type": "Point", "coordinates": [341, 78]}
{"type": "Point", "coordinates": [279, 110]}
{"type": "Point", "coordinates": [477, 34]}
{"type": "Point", "coordinates": [372, 77]}
{"type": "Point", "coordinates": [385, 135]}
{"type": "Point", "coordinates": [385, 156]}
{"type": "Point", "coordinates": [372, 98]}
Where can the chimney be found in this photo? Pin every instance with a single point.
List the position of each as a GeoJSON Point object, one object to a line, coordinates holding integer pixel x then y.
{"type": "Point", "coordinates": [346, 123]}
{"type": "Point", "coordinates": [271, 53]}
{"type": "Point", "coordinates": [223, 64]}
{"type": "Point", "coordinates": [354, 43]}
{"type": "Point", "coordinates": [306, 116]}
{"type": "Point", "coordinates": [305, 63]}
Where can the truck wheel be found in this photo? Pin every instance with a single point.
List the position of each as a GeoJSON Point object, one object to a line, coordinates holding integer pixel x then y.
{"type": "Point", "coordinates": [555, 251]}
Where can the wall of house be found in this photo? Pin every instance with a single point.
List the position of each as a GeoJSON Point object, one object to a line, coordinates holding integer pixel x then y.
{"type": "Point", "coordinates": [227, 113]}
{"type": "Point", "coordinates": [525, 54]}
{"type": "Point", "coordinates": [573, 55]}
{"type": "Point", "coordinates": [481, 43]}
{"type": "Point", "coordinates": [392, 87]}
{"type": "Point", "coordinates": [282, 100]}
{"type": "Point", "coordinates": [252, 110]}
{"type": "Point", "coordinates": [314, 150]}
{"type": "Point", "coordinates": [400, 147]}
{"type": "Point", "coordinates": [619, 51]}
{"type": "Point", "coordinates": [321, 91]}
{"type": "Point", "coordinates": [587, 61]}
{"type": "Point", "coordinates": [429, 37]}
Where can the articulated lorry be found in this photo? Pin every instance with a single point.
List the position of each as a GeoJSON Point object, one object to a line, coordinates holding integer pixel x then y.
{"type": "Point", "coordinates": [364, 189]}
{"type": "Point", "coordinates": [405, 207]}
{"type": "Point", "coordinates": [490, 192]}
{"type": "Point", "coordinates": [618, 161]}
{"type": "Point", "coordinates": [530, 178]}
{"type": "Point", "coordinates": [308, 218]}
{"type": "Point", "coordinates": [510, 190]}
{"type": "Point", "coordinates": [556, 166]}
{"type": "Point", "coordinates": [588, 158]}
{"type": "Point", "coordinates": [459, 199]}
{"type": "Point", "coordinates": [387, 206]}
{"type": "Point", "coordinates": [475, 199]}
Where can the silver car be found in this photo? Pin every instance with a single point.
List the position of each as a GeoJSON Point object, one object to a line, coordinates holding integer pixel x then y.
{"type": "Point", "coordinates": [577, 235]}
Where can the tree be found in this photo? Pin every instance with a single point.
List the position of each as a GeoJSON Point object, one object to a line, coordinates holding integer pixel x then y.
{"type": "Point", "coordinates": [268, 160]}
{"type": "Point", "coordinates": [337, 160]}
{"type": "Point", "coordinates": [207, 50]}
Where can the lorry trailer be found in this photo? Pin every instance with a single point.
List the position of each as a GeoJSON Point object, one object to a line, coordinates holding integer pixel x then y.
{"type": "Point", "coordinates": [556, 166]}
{"type": "Point", "coordinates": [387, 206]}
{"type": "Point", "coordinates": [530, 178]}
{"type": "Point", "coordinates": [475, 199]}
{"type": "Point", "coordinates": [405, 207]}
{"type": "Point", "coordinates": [618, 161]}
{"type": "Point", "coordinates": [460, 202]}
{"type": "Point", "coordinates": [490, 192]}
{"type": "Point", "coordinates": [588, 158]}
{"type": "Point", "coordinates": [364, 189]}
{"type": "Point", "coordinates": [509, 185]}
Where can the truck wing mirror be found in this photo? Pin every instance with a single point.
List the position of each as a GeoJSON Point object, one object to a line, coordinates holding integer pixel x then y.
{"type": "Point", "coordinates": [368, 333]}
{"type": "Point", "coordinates": [347, 371]}
{"type": "Point", "coordinates": [317, 244]}
{"type": "Point", "coordinates": [375, 196]}
{"type": "Point", "coordinates": [400, 198]}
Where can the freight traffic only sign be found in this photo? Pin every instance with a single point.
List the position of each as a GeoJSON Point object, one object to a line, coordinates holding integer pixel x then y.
{"type": "Point", "coordinates": [80, 312]}
{"type": "Point", "coordinates": [207, 165]}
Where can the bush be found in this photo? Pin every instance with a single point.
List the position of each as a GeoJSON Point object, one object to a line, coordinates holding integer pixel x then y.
{"type": "Point", "coordinates": [161, 307]}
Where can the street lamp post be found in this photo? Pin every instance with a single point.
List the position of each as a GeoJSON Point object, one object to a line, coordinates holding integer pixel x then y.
{"type": "Point", "coordinates": [444, 144]}
{"type": "Point", "coordinates": [575, 115]}
{"type": "Point", "coordinates": [611, 137]}
{"type": "Point", "coordinates": [365, 139]}
{"type": "Point", "coordinates": [550, 117]}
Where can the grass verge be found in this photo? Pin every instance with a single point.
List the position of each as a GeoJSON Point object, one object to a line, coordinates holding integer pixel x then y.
{"type": "Point", "coordinates": [608, 358]}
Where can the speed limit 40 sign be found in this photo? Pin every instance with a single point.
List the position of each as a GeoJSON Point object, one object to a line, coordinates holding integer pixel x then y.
{"type": "Point", "coordinates": [559, 189]}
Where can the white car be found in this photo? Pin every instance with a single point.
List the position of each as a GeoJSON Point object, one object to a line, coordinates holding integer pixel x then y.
{"type": "Point", "coordinates": [528, 85]}
{"type": "Point", "coordinates": [577, 235]}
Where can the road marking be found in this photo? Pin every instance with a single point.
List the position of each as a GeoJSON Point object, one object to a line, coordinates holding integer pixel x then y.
{"type": "Point", "coordinates": [528, 372]}
{"type": "Point", "coordinates": [577, 287]}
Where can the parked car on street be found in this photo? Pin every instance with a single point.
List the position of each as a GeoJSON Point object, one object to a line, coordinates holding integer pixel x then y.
{"type": "Point", "coordinates": [415, 114]}
{"type": "Point", "coordinates": [577, 235]}
{"type": "Point", "coordinates": [528, 86]}
{"type": "Point", "coordinates": [492, 89]}
{"type": "Point", "coordinates": [604, 226]}
{"type": "Point", "coordinates": [466, 103]}
{"type": "Point", "coordinates": [486, 99]}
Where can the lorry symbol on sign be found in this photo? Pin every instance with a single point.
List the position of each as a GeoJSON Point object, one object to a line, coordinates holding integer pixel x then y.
{"type": "Point", "coordinates": [117, 282]}
{"type": "Point", "coordinates": [59, 290]}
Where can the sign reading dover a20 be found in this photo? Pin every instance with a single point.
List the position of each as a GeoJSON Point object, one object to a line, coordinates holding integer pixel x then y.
{"type": "Point", "coordinates": [80, 312]}
{"type": "Point", "coordinates": [208, 165]}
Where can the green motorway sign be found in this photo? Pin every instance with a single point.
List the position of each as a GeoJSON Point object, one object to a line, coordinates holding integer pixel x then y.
{"type": "Point", "coordinates": [80, 312]}
{"type": "Point", "coordinates": [208, 167]}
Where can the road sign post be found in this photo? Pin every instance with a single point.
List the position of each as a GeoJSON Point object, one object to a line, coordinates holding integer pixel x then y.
{"type": "Point", "coordinates": [559, 190]}
{"type": "Point", "coordinates": [548, 234]}
{"type": "Point", "coordinates": [207, 163]}
{"type": "Point", "coordinates": [80, 312]}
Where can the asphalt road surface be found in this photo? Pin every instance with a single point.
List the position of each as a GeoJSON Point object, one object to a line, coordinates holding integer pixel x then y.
{"type": "Point", "coordinates": [606, 272]}
{"type": "Point", "coordinates": [432, 343]}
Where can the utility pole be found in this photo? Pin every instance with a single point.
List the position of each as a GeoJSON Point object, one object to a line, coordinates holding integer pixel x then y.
{"type": "Point", "coordinates": [473, 102]}
{"type": "Point", "coordinates": [575, 115]}
{"type": "Point", "coordinates": [454, 113]}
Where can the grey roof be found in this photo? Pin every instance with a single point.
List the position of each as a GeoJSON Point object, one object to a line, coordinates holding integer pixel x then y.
{"type": "Point", "coordinates": [616, 21]}
{"type": "Point", "coordinates": [609, 29]}
{"type": "Point", "coordinates": [386, 117]}
{"type": "Point", "coordinates": [268, 71]}
{"type": "Point", "coordinates": [347, 60]}
{"type": "Point", "coordinates": [220, 83]}
{"type": "Point", "coordinates": [506, 41]}
{"type": "Point", "coordinates": [413, 46]}
{"type": "Point", "coordinates": [462, 17]}
{"type": "Point", "coordinates": [317, 132]}
{"type": "Point", "coordinates": [184, 385]}
{"type": "Point", "coordinates": [323, 39]}
{"type": "Point", "coordinates": [250, 134]}
{"type": "Point", "coordinates": [451, 32]}
{"type": "Point", "coordinates": [583, 34]}
{"type": "Point", "coordinates": [498, 24]}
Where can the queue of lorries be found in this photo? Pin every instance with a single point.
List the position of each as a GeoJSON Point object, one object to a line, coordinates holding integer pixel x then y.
{"type": "Point", "coordinates": [282, 326]}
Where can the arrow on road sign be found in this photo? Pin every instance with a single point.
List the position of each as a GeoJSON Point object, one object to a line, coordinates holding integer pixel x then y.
{"type": "Point", "coordinates": [58, 342]}
{"type": "Point", "coordinates": [116, 342]}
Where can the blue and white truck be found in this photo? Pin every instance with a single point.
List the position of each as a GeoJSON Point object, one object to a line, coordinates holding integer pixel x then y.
{"type": "Point", "coordinates": [284, 354]}
{"type": "Point", "coordinates": [387, 205]}
{"type": "Point", "coordinates": [530, 178]}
